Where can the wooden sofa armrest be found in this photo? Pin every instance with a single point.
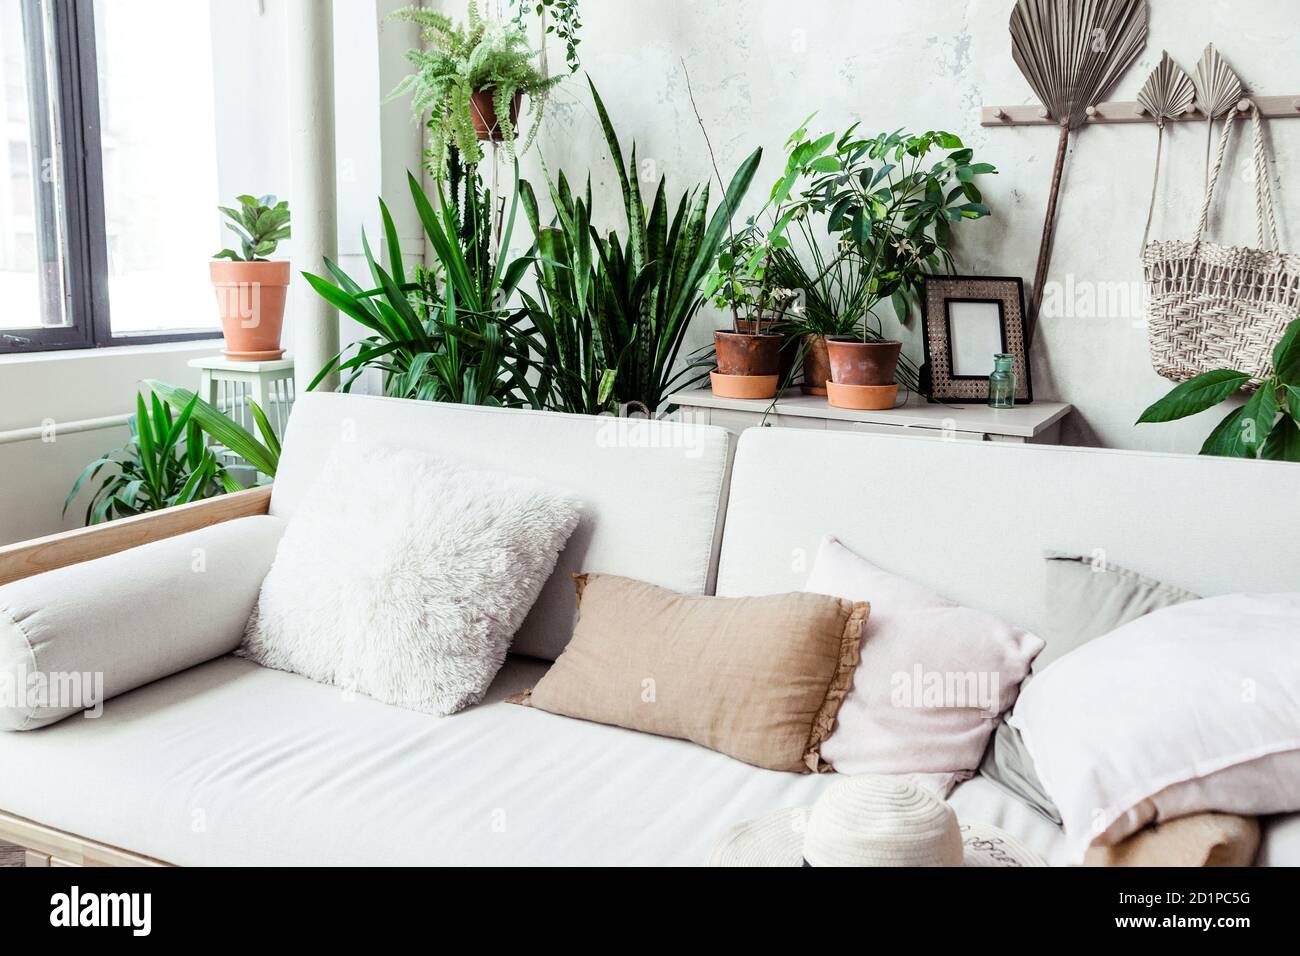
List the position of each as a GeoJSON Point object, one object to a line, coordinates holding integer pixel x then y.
{"type": "Point", "coordinates": [26, 558]}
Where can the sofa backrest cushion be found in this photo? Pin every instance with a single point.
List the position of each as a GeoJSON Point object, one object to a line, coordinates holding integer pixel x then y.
{"type": "Point", "coordinates": [651, 492]}
{"type": "Point", "coordinates": [973, 520]}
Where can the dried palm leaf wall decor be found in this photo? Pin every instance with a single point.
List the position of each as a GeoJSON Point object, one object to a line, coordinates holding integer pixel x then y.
{"type": "Point", "coordinates": [1167, 94]}
{"type": "Point", "coordinates": [1217, 91]}
{"type": "Point", "coordinates": [1072, 52]}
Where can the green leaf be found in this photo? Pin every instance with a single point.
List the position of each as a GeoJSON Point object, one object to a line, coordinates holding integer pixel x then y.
{"type": "Point", "coordinates": [1258, 417]}
{"type": "Point", "coordinates": [264, 426]}
{"type": "Point", "coordinates": [1293, 401]}
{"type": "Point", "coordinates": [1196, 395]}
{"type": "Point", "coordinates": [145, 431]}
{"type": "Point", "coordinates": [1286, 356]}
{"type": "Point", "coordinates": [226, 432]}
{"type": "Point", "coordinates": [1283, 443]}
{"type": "Point", "coordinates": [1226, 439]}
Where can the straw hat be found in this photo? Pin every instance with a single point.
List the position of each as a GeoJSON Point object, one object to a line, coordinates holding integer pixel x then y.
{"type": "Point", "coordinates": [869, 821]}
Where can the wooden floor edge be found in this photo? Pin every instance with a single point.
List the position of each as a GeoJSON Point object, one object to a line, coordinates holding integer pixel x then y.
{"type": "Point", "coordinates": [47, 846]}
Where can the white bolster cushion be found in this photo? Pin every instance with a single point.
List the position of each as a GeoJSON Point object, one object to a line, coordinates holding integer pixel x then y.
{"type": "Point", "coordinates": [77, 636]}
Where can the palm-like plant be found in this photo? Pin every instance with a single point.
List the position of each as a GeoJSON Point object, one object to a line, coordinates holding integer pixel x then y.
{"type": "Point", "coordinates": [163, 463]}
{"type": "Point", "coordinates": [460, 343]}
{"type": "Point", "coordinates": [262, 455]}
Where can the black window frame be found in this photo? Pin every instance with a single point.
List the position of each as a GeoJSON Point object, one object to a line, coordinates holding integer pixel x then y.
{"type": "Point", "coordinates": [86, 299]}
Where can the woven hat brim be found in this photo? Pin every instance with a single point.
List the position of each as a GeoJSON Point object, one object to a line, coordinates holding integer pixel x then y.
{"type": "Point", "coordinates": [984, 845]}
{"type": "Point", "coordinates": [772, 840]}
{"type": "Point", "coordinates": [776, 839]}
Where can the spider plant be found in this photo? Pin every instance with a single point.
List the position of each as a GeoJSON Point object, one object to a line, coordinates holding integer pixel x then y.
{"type": "Point", "coordinates": [659, 304]}
{"type": "Point", "coordinates": [163, 463]}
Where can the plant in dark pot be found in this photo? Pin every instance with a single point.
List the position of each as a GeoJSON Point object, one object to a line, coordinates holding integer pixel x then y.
{"type": "Point", "coordinates": [251, 289]}
{"type": "Point", "coordinates": [469, 81]}
{"type": "Point", "coordinates": [888, 212]}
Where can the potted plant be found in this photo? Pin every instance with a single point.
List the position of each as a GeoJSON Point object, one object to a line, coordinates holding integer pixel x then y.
{"type": "Point", "coordinates": [251, 289]}
{"type": "Point", "coordinates": [1266, 426]}
{"type": "Point", "coordinates": [470, 80]}
{"type": "Point", "coordinates": [754, 357]}
{"type": "Point", "coordinates": [164, 463]}
{"type": "Point", "coordinates": [889, 212]}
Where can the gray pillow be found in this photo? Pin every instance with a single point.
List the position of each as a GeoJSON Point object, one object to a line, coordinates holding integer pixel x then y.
{"type": "Point", "coordinates": [1085, 599]}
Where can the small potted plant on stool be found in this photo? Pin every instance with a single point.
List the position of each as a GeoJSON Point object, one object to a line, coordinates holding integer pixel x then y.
{"type": "Point", "coordinates": [251, 289]}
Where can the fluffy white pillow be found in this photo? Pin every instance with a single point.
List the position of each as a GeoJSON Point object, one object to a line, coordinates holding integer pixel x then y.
{"type": "Point", "coordinates": [1194, 707]}
{"type": "Point", "coordinates": [933, 680]}
{"type": "Point", "coordinates": [404, 577]}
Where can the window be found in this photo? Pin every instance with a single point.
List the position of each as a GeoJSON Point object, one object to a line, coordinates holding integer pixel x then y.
{"type": "Point", "coordinates": [108, 174]}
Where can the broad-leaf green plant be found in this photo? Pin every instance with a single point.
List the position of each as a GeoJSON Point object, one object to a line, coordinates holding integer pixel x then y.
{"type": "Point", "coordinates": [260, 223]}
{"type": "Point", "coordinates": [1266, 426]}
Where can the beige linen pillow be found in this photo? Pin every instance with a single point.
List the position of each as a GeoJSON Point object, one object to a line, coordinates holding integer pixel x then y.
{"type": "Point", "coordinates": [757, 678]}
{"type": "Point", "coordinates": [1202, 839]}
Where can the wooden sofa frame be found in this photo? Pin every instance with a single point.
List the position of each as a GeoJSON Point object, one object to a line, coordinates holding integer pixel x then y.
{"type": "Point", "coordinates": [46, 846]}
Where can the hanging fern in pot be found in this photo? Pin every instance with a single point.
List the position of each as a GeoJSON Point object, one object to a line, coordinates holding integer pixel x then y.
{"type": "Point", "coordinates": [470, 81]}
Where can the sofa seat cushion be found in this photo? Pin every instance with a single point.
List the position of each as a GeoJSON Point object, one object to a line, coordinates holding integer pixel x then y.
{"type": "Point", "coordinates": [230, 763]}
{"type": "Point", "coordinates": [234, 764]}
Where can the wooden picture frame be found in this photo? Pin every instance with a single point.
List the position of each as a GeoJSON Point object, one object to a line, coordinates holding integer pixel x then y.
{"type": "Point", "coordinates": [966, 320]}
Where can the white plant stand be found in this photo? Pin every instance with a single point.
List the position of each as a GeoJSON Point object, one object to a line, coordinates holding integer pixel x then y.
{"type": "Point", "coordinates": [231, 386]}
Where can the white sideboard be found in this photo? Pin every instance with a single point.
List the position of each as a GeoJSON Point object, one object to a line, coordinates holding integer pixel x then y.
{"type": "Point", "coordinates": [1039, 422]}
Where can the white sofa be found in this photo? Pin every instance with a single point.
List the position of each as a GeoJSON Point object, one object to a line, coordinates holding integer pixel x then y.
{"type": "Point", "coordinates": [230, 763]}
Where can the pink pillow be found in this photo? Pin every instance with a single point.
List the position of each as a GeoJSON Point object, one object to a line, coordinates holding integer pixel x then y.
{"type": "Point", "coordinates": [1194, 707]}
{"type": "Point", "coordinates": [933, 680]}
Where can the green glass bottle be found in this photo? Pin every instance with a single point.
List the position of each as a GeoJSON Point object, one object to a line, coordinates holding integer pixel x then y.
{"type": "Point", "coordinates": [1002, 383]}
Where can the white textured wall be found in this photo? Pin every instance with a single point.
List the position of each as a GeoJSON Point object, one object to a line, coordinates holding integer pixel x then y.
{"type": "Point", "coordinates": [760, 66]}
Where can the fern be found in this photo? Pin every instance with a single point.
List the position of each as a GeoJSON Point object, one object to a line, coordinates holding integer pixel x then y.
{"type": "Point", "coordinates": [458, 61]}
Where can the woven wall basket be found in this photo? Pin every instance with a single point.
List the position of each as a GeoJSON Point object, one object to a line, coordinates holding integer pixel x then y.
{"type": "Point", "coordinates": [1212, 306]}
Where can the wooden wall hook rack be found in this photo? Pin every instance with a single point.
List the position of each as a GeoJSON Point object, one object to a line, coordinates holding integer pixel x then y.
{"type": "Point", "coordinates": [1129, 111]}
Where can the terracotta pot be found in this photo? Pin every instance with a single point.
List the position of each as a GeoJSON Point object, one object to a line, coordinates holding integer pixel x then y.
{"type": "Point", "coordinates": [855, 362]}
{"type": "Point", "coordinates": [865, 397]}
{"type": "Point", "coordinates": [740, 354]}
{"type": "Point", "coordinates": [744, 386]}
{"type": "Point", "coordinates": [250, 298]}
{"type": "Point", "coordinates": [816, 365]}
{"type": "Point", "coordinates": [789, 348]}
{"type": "Point", "coordinates": [484, 114]}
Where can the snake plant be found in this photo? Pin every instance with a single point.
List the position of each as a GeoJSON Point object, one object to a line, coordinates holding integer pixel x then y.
{"type": "Point", "coordinates": [656, 275]}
